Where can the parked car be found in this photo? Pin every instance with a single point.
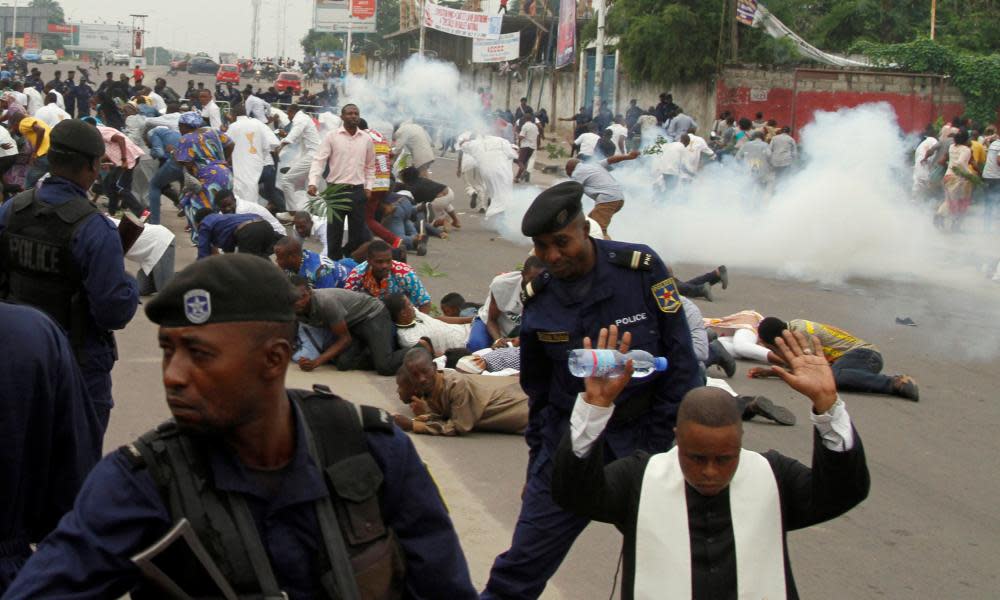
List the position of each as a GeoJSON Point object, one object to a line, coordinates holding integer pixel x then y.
{"type": "Point", "coordinates": [32, 56]}
{"type": "Point", "coordinates": [289, 81]}
{"type": "Point", "coordinates": [228, 74]}
{"type": "Point", "coordinates": [48, 56]}
{"type": "Point", "coordinates": [201, 64]}
{"type": "Point", "coordinates": [179, 64]}
{"type": "Point", "coordinates": [120, 58]}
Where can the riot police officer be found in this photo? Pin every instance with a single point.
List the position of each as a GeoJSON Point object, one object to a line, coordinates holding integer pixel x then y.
{"type": "Point", "coordinates": [289, 492]}
{"type": "Point", "coordinates": [589, 284]}
{"type": "Point", "coordinates": [59, 254]}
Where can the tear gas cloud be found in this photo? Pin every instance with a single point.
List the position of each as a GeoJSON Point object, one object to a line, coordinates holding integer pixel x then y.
{"type": "Point", "coordinates": [847, 212]}
{"type": "Point", "coordinates": [427, 91]}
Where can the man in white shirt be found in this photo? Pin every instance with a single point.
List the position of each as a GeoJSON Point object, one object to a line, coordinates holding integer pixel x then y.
{"type": "Point", "coordinates": [156, 101]}
{"type": "Point", "coordinates": [20, 96]}
{"type": "Point", "coordinates": [306, 226]}
{"type": "Point", "coordinates": [412, 325]}
{"type": "Point", "coordinates": [154, 252]}
{"type": "Point", "coordinates": [493, 155]}
{"type": "Point", "coordinates": [171, 120]}
{"type": "Point", "coordinates": [527, 139]}
{"type": "Point", "coordinates": [468, 170]}
{"type": "Point", "coordinates": [305, 137]}
{"type": "Point", "coordinates": [669, 164]}
{"type": "Point", "coordinates": [256, 108]}
{"type": "Point", "coordinates": [51, 114]}
{"type": "Point", "coordinates": [210, 110]}
{"type": "Point", "coordinates": [697, 150]}
{"type": "Point", "coordinates": [33, 97]}
{"type": "Point", "coordinates": [709, 519]}
{"type": "Point", "coordinates": [231, 204]}
{"type": "Point", "coordinates": [414, 138]}
{"type": "Point", "coordinates": [253, 142]}
{"type": "Point", "coordinates": [8, 151]}
{"type": "Point", "coordinates": [586, 144]}
{"type": "Point", "coordinates": [619, 133]}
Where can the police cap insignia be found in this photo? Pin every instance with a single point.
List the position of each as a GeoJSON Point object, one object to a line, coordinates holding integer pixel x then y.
{"type": "Point", "coordinates": [666, 295]}
{"type": "Point", "coordinates": [224, 289]}
{"type": "Point", "coordinates": [553, 209]}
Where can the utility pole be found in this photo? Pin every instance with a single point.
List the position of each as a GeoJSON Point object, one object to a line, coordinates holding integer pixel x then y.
{"type": "Point", "coordinates": [733, 33]}
{"type": "Point", "coordinates": [420, 51]}
{"type": "Point", "coordinates": [254, 28]}
{"type": "Point", "coordinates": [13, 27]}
{"type": "Point", "coordinates": [933, 15]}
{"type": "Point", "coordinates": [599, 56]}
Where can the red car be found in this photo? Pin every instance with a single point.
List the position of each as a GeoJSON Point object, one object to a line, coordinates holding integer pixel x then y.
{"type": "Point", "coordinates": [179, 64]}
{"type": "Point", "coordinates": [228, 74]}
{"type": "Point", "coordinates": [289, 81]}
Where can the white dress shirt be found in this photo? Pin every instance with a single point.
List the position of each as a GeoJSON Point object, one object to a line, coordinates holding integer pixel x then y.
{"type": "Point", "coordinates": [158, 102]}
{"type": "Point", "coordinates": [35, 100]}
{"type": "Point", "coordinates": [213, 114]}
{"type": "Point", "coordinates": [303, 130]}
{"type": "Point", "coordinates": [169, 120]}
{"type": "Point", "coordinates": [51, 114]}
{"type": "Point", "coordinates": [252, 208]}
{"type": "Point", "coordinates": [257, 108]}
{"type": "Point", "coordinates": [587, 422]}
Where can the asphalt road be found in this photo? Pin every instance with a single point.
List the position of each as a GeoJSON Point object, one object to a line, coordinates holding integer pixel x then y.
{"type": "Point", "coordinates": [930, 527]}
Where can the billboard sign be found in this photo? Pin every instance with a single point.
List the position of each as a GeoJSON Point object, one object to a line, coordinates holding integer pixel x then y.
{"type": "Point", "coordinates": [746, 10]}
{"type": "Point", "coordinates": [101, 37]}
{"type": "Point", "coordinates": [338, 16]}
{"type": "Point", "coordinates": [462, 22]}
{"type": "Point", "coordinates": [566, 45]}
{"type": "Point", "coordinates": [506, 47]}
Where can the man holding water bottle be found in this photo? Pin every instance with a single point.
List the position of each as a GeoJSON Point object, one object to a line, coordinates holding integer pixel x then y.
{"type": "Point", "coordinates": [588, 284]}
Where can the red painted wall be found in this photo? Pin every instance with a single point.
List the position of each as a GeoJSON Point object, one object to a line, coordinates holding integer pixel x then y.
{"type": "Point", "coordinates": [795, 107]}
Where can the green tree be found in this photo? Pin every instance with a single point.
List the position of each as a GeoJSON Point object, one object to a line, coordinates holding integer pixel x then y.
{"type": "Point", "coordinates": [668, 41]}
{"type": "Point", "coordinates": [321, 41]}
{"type": "Point", "coordinates": [55, 10]}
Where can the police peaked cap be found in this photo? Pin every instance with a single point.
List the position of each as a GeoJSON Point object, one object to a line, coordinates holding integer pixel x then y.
{"type": "Point", "coordinates": [73, 135]}
{"type": "Point", "coordinates": [553, 209]}
{"type": "Point", "coordinates": [226, 288]}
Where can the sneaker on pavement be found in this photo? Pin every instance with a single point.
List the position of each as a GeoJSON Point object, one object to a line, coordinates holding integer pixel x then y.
{"type": "Point", "coordinates": [706, 292]}
{"type": "Point", "coordinates": [726, 361]}
{"type": "Point", "coordinates": [905, 387]}
{"type": "Point", "coordinates": [723, 276]}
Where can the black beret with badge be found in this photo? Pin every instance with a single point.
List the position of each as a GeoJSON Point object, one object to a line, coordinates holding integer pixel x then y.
{"type": "Point", "coordinates": [553, 209]}
{"type": "Point", "coordinates": [225, 288]}
{"type": "Point", "coordinates": [73, 135]}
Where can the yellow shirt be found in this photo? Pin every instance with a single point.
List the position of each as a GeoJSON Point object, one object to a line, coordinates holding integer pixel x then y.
{"type": "Point", "coordinates": [26, 127]}
{"type": "Point", "coordinates": [836, 342]}
{"type": "Point", "coordinates": [978, 154]}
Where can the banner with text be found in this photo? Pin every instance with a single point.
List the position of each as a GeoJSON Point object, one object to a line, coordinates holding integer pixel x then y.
{"type": "Point", "coordinates": [566, 45]}
{"type": "Point", "coordinates": [745, 11]}
{"type": "Point", "coordinates": [462, 22]}
{"type": "Point", "coordinates": [340, 15]}
{"type": "Point", "coordinates": [504, 48]}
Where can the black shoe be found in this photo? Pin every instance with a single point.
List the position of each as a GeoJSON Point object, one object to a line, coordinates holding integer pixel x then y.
{"type": "Point", "coordinates": [769, 410]}
{"type": "Point", "coordinates": [904, 387]}
{"type": "Point", "coordinates": [473, 200]}
{"type": "Point", "coordinates": [726, 361]}
{"type": "Point", "coordinates": [723, 276]}
{"type": "Point", "coordinates": [706, 292]}
{"type": "Point", "coordinates": [422, 248]}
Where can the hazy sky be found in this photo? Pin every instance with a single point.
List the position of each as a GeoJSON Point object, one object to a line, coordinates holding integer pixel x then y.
{"type": "Point", "coordinates": [211, 26]}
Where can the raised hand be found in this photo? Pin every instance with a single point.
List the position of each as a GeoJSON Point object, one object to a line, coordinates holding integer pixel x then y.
{"type": "Point", "coordinates": [808, 371]}
{"type": "Point", "coordinates": [602, 391]}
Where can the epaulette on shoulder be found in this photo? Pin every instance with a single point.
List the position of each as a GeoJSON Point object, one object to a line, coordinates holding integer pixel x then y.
{"type": "Point", "coordinates": [375, 419]}
{"type": "Point", "coordinates": [132, 456]}
{"type": "Point", "coordinates": [631, 259]}
{"type": "Point", "coordinates": [534, 287]}
{"type": "Point", "coordinates": [131, 453]}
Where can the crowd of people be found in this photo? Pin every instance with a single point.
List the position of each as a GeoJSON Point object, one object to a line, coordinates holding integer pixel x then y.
{"type": "Point", "coordinates": [303, 224]}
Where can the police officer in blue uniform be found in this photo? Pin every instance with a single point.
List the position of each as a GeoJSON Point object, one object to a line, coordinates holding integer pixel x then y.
{"type": "Point", "coordinates": [58, 253]}
{"type": "Point", "coordinates": [267, 477]}
{"type": "Point", "coordinates": [49, 436]}
{"type": "Point", "coordinates": [588, 284]}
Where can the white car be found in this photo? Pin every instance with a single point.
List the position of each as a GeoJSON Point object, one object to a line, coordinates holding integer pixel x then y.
{"type": "Point", "coordinates": [48, 56]}
{"type": "Point", "coordinates": [120, 58]}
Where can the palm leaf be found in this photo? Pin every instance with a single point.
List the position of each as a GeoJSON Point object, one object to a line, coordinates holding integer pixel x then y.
{"type": "Point", "coordinates": [334, 201]}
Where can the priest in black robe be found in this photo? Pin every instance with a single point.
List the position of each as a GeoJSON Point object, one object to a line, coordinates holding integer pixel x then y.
{"type": "Point", "coordinates": [739, 504]}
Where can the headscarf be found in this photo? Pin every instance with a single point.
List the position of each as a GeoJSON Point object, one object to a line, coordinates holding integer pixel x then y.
{"type": "Point", "coordinates": [192, 118]}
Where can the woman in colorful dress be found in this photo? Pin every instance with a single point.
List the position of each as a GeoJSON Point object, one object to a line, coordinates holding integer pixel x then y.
{"type": "Point", "coordinates": [205, 155]}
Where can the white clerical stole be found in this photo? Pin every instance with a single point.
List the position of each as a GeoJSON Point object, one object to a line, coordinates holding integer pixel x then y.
{"type": "Point", "coordinates": [663, 542]}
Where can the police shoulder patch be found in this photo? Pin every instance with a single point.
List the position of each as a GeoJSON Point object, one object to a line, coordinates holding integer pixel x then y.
{"type": "Point", "coordinates": [632, 259]}
{"type": "Point", "coordinates": [666, 295]}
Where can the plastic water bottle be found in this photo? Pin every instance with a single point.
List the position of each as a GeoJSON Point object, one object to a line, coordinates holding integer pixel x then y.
{"type": "Point", "coordinates": [611, 363]}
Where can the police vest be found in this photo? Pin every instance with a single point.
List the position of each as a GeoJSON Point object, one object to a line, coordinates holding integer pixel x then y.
{"type": "Point", "coordinates": [37, 258]}
{"type": "Point", "coordinates": [359, 559]}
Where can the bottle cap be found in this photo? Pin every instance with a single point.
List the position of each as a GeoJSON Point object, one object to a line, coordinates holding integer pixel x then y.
{"type": "Point", "coordinates": [660, 363]}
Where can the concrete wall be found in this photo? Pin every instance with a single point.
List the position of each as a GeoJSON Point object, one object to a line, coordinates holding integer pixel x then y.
{"type": "Point", "coordinates": [793, 97]}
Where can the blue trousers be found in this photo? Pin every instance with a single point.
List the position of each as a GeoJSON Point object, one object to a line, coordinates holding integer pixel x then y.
{"type": "Point", "coordinates": [98, 382]}
{"type": "Point", "coordinates": [861, 371]}
{"type": "Point", "coordinates": [479, 336]}
{"type": "Point", "coordinates": [168, 172]}
{"type": "Point", "coordinates": [542, 538]}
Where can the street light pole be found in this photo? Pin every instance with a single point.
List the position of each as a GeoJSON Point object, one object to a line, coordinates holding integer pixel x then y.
{"type": "Point", "coordinates": [933, 15]}
{"type": "Point", "coordinates": [13, 27]}
{"type": "Point", "coordinates": [599, 55]}
{"type": "Point", "coordinates": [421, 49]}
